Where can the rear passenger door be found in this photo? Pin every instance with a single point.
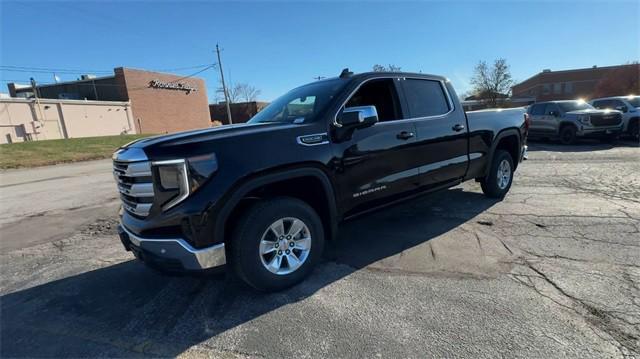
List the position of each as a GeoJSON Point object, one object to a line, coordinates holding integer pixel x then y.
{"type": "Point", "coordinates": [536, 118]}
{"type": "Point", "coordinates": [441, 131]}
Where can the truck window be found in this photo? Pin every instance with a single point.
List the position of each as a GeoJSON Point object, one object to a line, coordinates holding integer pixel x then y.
{"type": "Point", "coordinates": [301, 107]}
{"type": "Point", "coordinates": [537, 110]}
{"type": "Point", "coordinates": [425, 98]}
{"type": "Point", "coordinates": [382, 95]}
{"type": "Point", "coordinates": [549, 108]}
{"type": "Point", "coordinates": [300, 104]}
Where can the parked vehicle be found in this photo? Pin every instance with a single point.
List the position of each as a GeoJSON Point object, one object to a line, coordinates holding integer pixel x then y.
{"type": "Point", "coordinates": [569, 120]}
{"type": "Point", "coordinates": [264, 196]}
{"type": "Point", "coordinates": [630, 108]}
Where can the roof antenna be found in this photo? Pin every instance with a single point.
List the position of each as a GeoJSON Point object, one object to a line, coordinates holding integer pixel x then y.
{"type": "Point", "coordinates": [345, 73]}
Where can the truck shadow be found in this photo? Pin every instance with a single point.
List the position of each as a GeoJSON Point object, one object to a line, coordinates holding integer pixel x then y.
{"type": "Point", "coordinates": [128, 310]}
{"type": "Point", "coordinates": [583, 145]}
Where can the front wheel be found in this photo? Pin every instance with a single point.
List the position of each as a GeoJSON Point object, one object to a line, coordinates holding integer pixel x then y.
{"type": "Point", "coordinates": [498, 183]}
{"type": "Point", "coordinates": [277, 243]}
{"type": "Point", "coordinates": [608, 139]}
{"type": "Point", "coordinates": [634, 129]}
{"type": "Point", "coordinates": [568, 135]}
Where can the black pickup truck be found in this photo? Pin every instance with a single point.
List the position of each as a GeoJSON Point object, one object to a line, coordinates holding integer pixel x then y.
{"type": "Point", "coordinates": [265, 195]}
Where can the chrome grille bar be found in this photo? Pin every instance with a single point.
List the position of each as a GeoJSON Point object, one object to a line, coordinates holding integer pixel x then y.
{"type": "Point", "coordinates": [135, 185]}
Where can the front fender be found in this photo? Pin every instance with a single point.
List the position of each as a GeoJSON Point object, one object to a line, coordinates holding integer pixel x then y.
{"type": "Point", "coordinates": [269, 177]}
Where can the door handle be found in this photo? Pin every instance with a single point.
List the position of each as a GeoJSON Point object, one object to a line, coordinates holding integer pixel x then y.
{"type": "Point", "coordinates": [404, 135]}
{"type": "Point", "coordinates": [457, 127]}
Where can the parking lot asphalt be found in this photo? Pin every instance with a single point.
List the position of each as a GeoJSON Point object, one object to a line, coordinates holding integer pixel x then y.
{"type": "Point", "coordinates": [551, 271]}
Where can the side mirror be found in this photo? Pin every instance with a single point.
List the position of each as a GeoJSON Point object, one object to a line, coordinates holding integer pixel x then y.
{"type": "Point", "coordinates": [554, 113]}
{"type": "Point", "coordinates": [358, 117]}
{"type": "Point", "coordinates": [622, 108]}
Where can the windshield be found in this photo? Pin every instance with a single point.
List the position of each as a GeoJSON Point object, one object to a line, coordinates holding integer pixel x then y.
{"type": "Point", "coordinates": [300, 105]}
{"type": "Point", "coordinates": [634, 101]}
{"type": "Point", "coordinates": [574, 106]}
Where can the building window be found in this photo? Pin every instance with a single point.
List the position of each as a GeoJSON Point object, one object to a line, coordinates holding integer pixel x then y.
{"type": "Point", "coordinates": [546, 89]}
{"type": "Point", "coordinates": [557, 88]}
{"type": "Point", "coordinates": [568, 87]}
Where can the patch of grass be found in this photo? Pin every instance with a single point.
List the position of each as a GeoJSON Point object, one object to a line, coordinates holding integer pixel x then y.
{"type": "Point", "coordinates": [50, 152]}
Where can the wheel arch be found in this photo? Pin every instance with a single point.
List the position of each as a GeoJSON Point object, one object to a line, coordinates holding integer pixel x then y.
{"type": "Point", "coordinates": [509, 138]}
{"type": "Point", "coordinates": [565, 124]}
{"type": "Point", "coordinates": [633, 120]}
{"type": "Point", "coordinates": [282, 182]}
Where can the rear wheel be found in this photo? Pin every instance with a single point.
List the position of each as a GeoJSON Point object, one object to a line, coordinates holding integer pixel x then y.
{"type": "Point", "coordinates": [568, 135]}
{"type": "Point", "coordinates": [498, 183]}
{"type": "Point", "coordinates": [277, 243]}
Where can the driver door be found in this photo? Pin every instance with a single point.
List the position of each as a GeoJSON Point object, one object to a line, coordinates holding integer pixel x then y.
{"type": "Point", "coordinates": [379, 162]}
{"type": "Point", "coordinates": [550, 118]}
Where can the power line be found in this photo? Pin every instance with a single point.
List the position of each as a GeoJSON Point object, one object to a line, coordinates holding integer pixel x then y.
{"type": "Point", "coordinates": [93, 84]}
{"type": "Point", "coordinates": [185, 68]}
{"type": "Point", "coordinates": [12, 68]}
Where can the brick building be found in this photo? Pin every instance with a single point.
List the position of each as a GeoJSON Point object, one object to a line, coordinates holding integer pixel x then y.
{"type": "Point", "coordinates": [580, 83]}
{"type": "Point", "coordinates": [240, 112]}
{"type": "Point", "coordinates": [160, 102]}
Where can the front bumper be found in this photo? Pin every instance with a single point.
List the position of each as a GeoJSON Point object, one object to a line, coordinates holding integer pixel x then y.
{"type": "Point", "coordinates": [599, 131]}
{"type": "Point", "coordinates": [173, 254]}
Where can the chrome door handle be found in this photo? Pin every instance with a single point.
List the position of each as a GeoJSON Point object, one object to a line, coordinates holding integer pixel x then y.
{"type": "Point", "coordinates": [457, 127]}
{"type": "Point", "coordinates": [404, 135]}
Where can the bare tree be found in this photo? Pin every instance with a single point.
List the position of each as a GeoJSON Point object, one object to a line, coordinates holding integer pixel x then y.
{"type": "Point", "coordinates": [491, 83]}
{"type": "Point", "coordinates": [231, 92]}
{"type": "Point", "coordinates": [246, 92]}
{"type": "Point", "coordinates": [241, 92]}
{"type": "Point", "coordinates": [389, 68]}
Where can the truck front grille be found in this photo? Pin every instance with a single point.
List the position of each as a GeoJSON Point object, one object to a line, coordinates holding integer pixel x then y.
{"type": "Point", "coordinates": [135, 186]}
{"type": "Point", "coordinates": [606, 120]}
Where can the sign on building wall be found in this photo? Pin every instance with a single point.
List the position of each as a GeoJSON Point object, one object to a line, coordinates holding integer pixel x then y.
{"type": "Point", "coordinates": [180, 86]}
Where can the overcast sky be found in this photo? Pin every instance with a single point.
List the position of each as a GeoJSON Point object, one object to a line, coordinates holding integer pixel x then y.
{"type": "Point", "coordinates": [279, 45]}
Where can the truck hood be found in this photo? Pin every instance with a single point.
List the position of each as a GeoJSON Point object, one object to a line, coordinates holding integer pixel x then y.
{"type": "Point", "coordinates": [592, 112]}
{"type": "Point", "coordinates": [206, 134]}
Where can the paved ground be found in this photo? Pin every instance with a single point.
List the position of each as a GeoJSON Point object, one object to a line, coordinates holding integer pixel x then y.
{"type": "Point", "coordinates": [551, 271]}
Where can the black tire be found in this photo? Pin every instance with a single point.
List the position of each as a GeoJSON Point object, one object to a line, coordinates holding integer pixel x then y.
{"type": "Point", "coordinates": [634, 129]}
{"type": "Point", "coordinates": [244, 251]}
{"type": "Point", "coordinates": [490, 185]}
{"type": "Point", "coordinates": [608, 139]}
{"type": "Point", "coordinates": [568, 135]}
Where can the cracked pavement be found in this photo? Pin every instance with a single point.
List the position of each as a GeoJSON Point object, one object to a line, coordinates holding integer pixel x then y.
{"type": "Point", "coordinates": [551, 271]}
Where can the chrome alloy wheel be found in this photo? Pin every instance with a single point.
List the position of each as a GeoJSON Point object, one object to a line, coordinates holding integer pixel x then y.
{"type": "Point", "coordinates": [504, 174]}
{"type": "Point", "coordinates": [285, 245]}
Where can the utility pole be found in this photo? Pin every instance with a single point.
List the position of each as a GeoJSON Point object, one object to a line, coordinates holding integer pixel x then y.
{"type": "Point", "coordinates": [224, 87]}
{"type": "Point", "coordinates": [319, 78]}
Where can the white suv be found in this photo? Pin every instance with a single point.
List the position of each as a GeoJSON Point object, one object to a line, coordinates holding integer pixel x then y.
{"type": "Point", "coordinates": [630, 108]}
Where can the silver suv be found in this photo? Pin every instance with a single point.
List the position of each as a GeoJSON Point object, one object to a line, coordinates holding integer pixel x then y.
{"type": "Point", "coordinates": [630, 107]}
{"type": "Point", "coordinates": [568, 120]}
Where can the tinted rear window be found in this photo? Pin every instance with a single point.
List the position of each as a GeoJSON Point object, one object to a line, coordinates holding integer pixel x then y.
{"type": "Point", "coordinates": [537, 110]}
{"type": "Point", "coordinates": [425, 98]}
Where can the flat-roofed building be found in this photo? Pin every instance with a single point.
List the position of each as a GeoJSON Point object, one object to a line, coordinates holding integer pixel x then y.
{"type": "Point", "coordinates": [160, 102]}
{"type": "Point", "coordinates": [584, 83]}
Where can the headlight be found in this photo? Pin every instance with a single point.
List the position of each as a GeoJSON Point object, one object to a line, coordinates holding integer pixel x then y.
{"type": "Point", "coordinates": [584, 119]}
{"type": "Point", "coordinates": [177, 179]}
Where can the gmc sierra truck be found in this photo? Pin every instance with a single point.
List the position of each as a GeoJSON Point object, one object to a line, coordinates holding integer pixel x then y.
{"type": "Point", "coordinates": [263, 197]}
{"type": "Point", "coordinates": [569, 120]}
